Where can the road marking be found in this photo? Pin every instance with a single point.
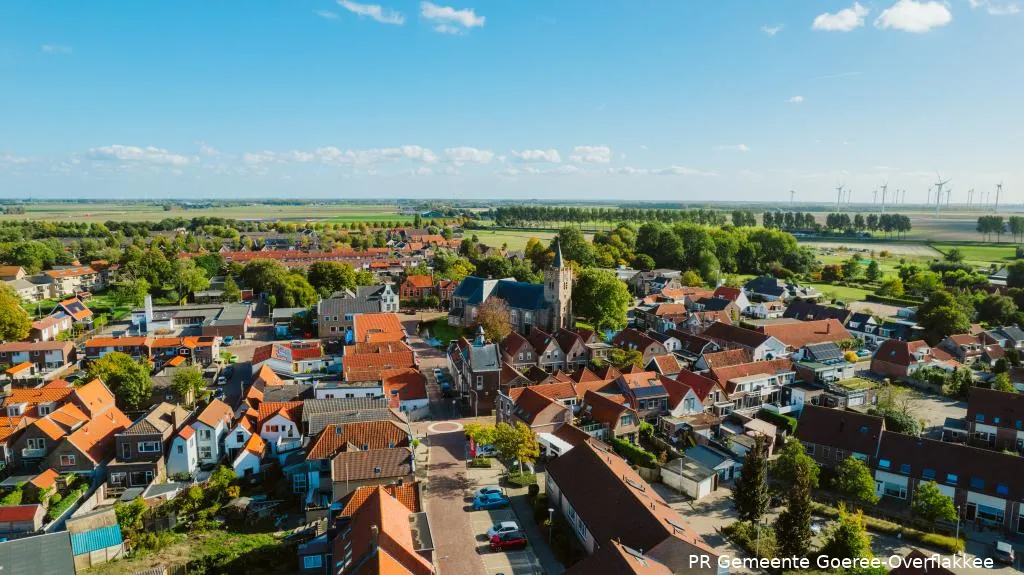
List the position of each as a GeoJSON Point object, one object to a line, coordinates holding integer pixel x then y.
{"type": "Point", "coordinates": [444, 427]}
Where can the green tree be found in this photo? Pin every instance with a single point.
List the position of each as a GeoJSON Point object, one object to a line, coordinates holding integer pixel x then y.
{"type": "Point", "coordinates": [751, 492]}
{"type": "Point", "coordinates": [129, 515]}
{"type": "Point", "coordinates": [329, 277]}
{"type": "Point", "coordinates": [954, 255]}
{"type": "Point", "coordinates": [1002, 383]}
{"type": "Point", "coordinates": [691, 278]}
{"type": "Point", "coordinates": [891, 286]}
{"type": "Point", "coordinates": [873, 272]}
{"type": "Point", "coordinates": [575, 246]}
{"type": "Point", "coordinates": [187, 277]}
{"type": "Point", "coordinates": [131, 292]}
{"type": "Point", "coordinates": [188, 381]}
{"type": "Point", "coordinates": [14, 321]}
{"type": "Point", "coordinates": [625, 358]}
{"type": "Point", "coordinates": [295, 291]}
{"type": "Point", "coordinates": [793, 526]}
{"type": "Point", "coordinates": [365, 278]}
{"type": "Point", "coordinates": [997, 309]}
{"type": "Point", "coordinates": [848, 538]}
{"type": "Point", "coordinates": [854, 481]}
{"type": "Point", "coordinates": [127, 379]}
{"type": "Point", "coordinates": [931, 504]}
{"type": "Point", "coordinates": [599, 297]}
{"type": "Point", "coordinates": [516, 443]}
{"type": "Point", "coordinates": [263, 275]}
{"type": "Point", "coordinates": [942, 315]}
{"type": "Point", "coordinates": [959, 383]}
{"type": "Point", "coordinates": [851, 268]}
{"type": "Point", "coordinates": [231, 292]}
{"type": "Point", "coordinates": [793, 462]}
{"type": "Point", "coordinates": [492, 315]}
{"type": "Point", "coordinates": [480, 434]}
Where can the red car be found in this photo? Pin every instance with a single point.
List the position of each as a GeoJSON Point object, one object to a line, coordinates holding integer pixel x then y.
{"type": "Point", "coordinates": [505, 541]}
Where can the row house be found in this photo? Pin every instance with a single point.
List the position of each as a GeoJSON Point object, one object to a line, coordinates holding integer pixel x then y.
{"type": "Point", "coordinates": [138, 347]}
{"type": "Point", "coordinates": [534, 409]}
{"type": "Point", "coordinates": [561, 392]}
{"type": "Point", "coordinates": [31, 290]}
{"type": "Point", "coordinates": [201, 442]}
{"type": "Point", "coordinates": [565, 350]}
{"type": "Point", "coordinates": [279, 425]}
{"type": "Point", "coordinates": [984, 485]}
{"type": "Point", "coordinates": [823, 363]}
{"type": "Point", "coordinates": [660, 316]}
{"type": "Point", "coordinates": [1010, 337]}
{"type": "Point", "coordinates": [735, 295]}
{"type": "Point", "coordinates": [864, 326]}
{"type": "Point", "coordinates": [722, 358]}
{"type": "Point", "coordinates": [901, 359]}
{"type": "Point", "coordinates": [476, 371]}
{"type": "Point", "coordinates": [44, 356]}
{"type": "Point", "coordinates": [74, 434]}
{"type": "Point", "coordinates": [606, 416]}
{"type": "Point", "coordinates": [691, 398]}
{"type": "Point", "coordinates": [74, 279]}
{"type": "Point", "coordinates": [725, 307]}
{"type": "Point", "coordinates": [335, 314]}
{"type": "Point", "coordinates": [995, 419]}
{"type": "Point", "coordinates": [381, 534]}
{"type": "Point", "coordinates": [644, 393]}
{"type": "Point", "coordinates": [752, 385]}
{"type": "Point", "coordinates": [811, 311]}
{"type": "Point", "coordinates": [687, 346]}
{"type": "Point", "coordinates": [589, 480]}
{"type": "Point", "coordinates": [664, 365]}
{"type": "Point", "coordinates": [766, 309]}
{"type": "Point", "coordinates": [635, 340]}
{"type": "Point", "coordinates": [141, 449]}
{"type": "Point", "coordinates": [758, 344]}
{"type": "Point", "coordinates": [796, 335]}
{"type": "Point", "coordinates": [968, 348]}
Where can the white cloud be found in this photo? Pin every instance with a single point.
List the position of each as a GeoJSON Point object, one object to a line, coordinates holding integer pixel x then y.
{"type": "Point", "coordinates": [550, 155]}
{"type": "Point", "coordinates": [796, 100]}
{"type": "Point", "coordinates": [914, 16]}
{"type": "Point", "coordinates": [772, 30]}
{"type": "Point", "coordinates": [842, 21]}
{"type": "Point", "coordinates": [997, 7]}
{"type": "Point", "coordinates": [643, 146]}
{"type": "Point", "coordinates": [134, 154]}
{"type": "Point", "coordinates": [680, 171]}
{"type": "Point", "coordinates": [422, 171]}
{"type": "Point", "coordinates": [8, 159]}
{"type": "Point", "coordinates": [591, 154]}
{"type": "Point", "coordinates": [55, 49]}
{"type": "Point", "coordinates": [507, 172]}
{"type": "Point", "coordinates": [735, 148]}
{"type": "Point", "coordinates": [468, 155]}
{"type": "Point", "coordinates": [207, 150]}
{"type": "Point", "coordinates": [448, 20]}
{"type": "Point", "coordinates": [327, 14]}
{"type": "Point", "coordinates": [374, 11]}
{"type": "Point", "coordinates": [627, 171]}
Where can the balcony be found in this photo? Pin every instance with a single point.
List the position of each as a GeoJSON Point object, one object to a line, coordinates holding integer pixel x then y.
{"type": "Point", "coordinates": [28, 453]}
{"type": "Point", "coordinates": [598, 430]}
{"type": "Point", "coordinates": [285, 444]}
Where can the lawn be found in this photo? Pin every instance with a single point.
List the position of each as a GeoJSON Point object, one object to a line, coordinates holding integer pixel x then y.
{"type": "Point", "coordinates": [982, 254]}
{"type": "Point", "coordinates": [516, 240]}
{"type": "Point", "coordinates": [858, 383]}
{"type": "Point", "coordinates": [444, 332]}
{"type": "Point", "coordinates": [843, 293]}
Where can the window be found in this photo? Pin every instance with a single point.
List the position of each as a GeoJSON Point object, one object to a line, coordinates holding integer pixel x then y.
{"type": "Point", "coordinates": [205, 434]}
{"type": "Point", "coordinates": [809, 448]}
{"type": "Point", "coordinates": [995, 420]}
{"type": "Point", "coordinates": [299, 483]}
{"type": "Point", "coordinates": [826, 452]}
{"type": "Point", "coordinates": [205, 452]}
{"type": "Point", "coordinates": [626, 420]}
{"type": "Point", "coordinates": [36, 443]}
{"type": "Point", "coordinates": [479, 382]}
{"type": "Point", "coordinates": [928, 474]}
{"type": "Point", "coordinates": [67, 460]}
{"type": "Point", "coordinates": [884, 463]}
{"type": "Point", "coordinates": [239, 437]}
{"type": "Point", "coordinates": [840, 454]}
{"type": "Point", "coordinates": [979, 417]}
{"type": "Point", "coordinates": [181, 449]}
{"type": "Point", "coordinates": [149, 447]}
{"type": "Point", "coordinates": [1002, 489]}
{"type": "Point", "coordinates": [312, 562]}
{"type": "Point", "coordinates": [952, 478]}
{"type": "Point", "coordinates": [977, 482]}
{"type": "Point", "coordinates": [905, 468]}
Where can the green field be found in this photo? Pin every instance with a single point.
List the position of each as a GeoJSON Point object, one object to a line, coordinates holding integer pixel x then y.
{"type": "Point", "coordinates": [135, 212]}
{"type": "Point", "coordinates": [516, 240]}
{"type": "Point", "coordinates": [982, 254]}
{"type": "Point", "coordinates": [843, 293]}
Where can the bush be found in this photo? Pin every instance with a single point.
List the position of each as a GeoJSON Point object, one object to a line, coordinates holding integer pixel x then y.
{"type": "Point", "coordinates": [634, 454]}
{"type": "Point", "coordinates": [896, 301]}
{"type": "Point", "coordinates": [480, 462]}
{"type": "Point", "coordinates": [778, 420]}
{"type": "Point", "coordinates": [523, 479]}
{"type": "Point", "coordinates": [745, 535]}
{"type": "Point", "coordinates": [533, 490]}
{"type": "Point", "coordinates": [876, 525]}
{"type": "Point", "coordinates": [61, 505]}
{"type": "Point", "coordinates": [944, 542]}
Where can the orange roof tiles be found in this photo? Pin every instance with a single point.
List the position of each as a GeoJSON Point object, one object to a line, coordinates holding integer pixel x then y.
{"type": "Point", "coordinates": [727, 357]}
{"type": "Point", "coordinates": [69, 416]}
{"type": "Point", "coordinates": [408, 494]}
{"type": "Point", "coordinates": [215, 413]}
{"type": "Point", "coordinates": [291, 410]}
{"type": "Point", "coordinates": [404, 384]}
{"type": "Point", "coordinates": [384, 434]}
{"type": "Point", "coordinates": [377, 327]}
{"type": "Point", "coordinates": [420, 281]}
{"type": "Point", "coordinates": [396, 553]}
{"type": "Point", "coordinates": [801, 333]}
{"type": "Point", "coordinates": [19, 368]}
{"type": "Point", "coordinates": [256, 445]}
{"type": "Point", "coordinates": [118, 341]}
{"type": "Point", "coordinates": [176, 361]}
{"type": "Point", "coordinates": [10, 424]}
{"type": "Point", "coordinates": [46, 479]}
{"type": "Point", "coordinates": [70, 272]}
{"type": "Point", "coordinates": [37, 395]}
{"type": "Point", "coordinates": [95, 397]}
{"type": "Point", "coordinates": [266, 376]}
{"type": "Point", "coordinates": [95, 439]}
{"type": "Point", "coordinates": [559, 390]}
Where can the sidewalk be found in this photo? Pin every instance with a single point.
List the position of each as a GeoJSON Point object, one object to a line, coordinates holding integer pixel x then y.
{"type": "Point", "coordinates": [538, 543]}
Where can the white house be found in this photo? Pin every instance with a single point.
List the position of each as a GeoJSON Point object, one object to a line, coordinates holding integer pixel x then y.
{"type": "Point", "coordinates": [183, 456]}
{"type": "Point", "coordinates": [247, 462]}
{"type": "Point", "coordinates": [279, 425]}
{"type": "Point", "coordinates": [211, 427]}
{"type": "Point", "coordinates": [406, 390]}
{"type": "Point", "coordinates": [338, 389]}
{"type": "Point", "coordinates": [238, 435]}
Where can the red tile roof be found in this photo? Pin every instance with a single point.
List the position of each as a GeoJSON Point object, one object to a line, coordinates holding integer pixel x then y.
{"type": "Point", "coordinates": [266, 376]}
{"type": "Point", "coordinates": [384, 434]}
{"type": "Point", "coordinates": [95, 438]}
{"type": "Point", "coordinates": [557, 391]}
{"type": "Point", "coordinates": [724, 375]}
{"type": "Point", "coordinates": [420, 281]}
{"type": "Point", "coordinates": [727, 357]}
{"type": "Point", "coordinates": [799, 334]}
{"type": "Point", "coordinates": [408, 494]}
{"type": "Point", "coordinates": [700, 384]}
{"type": "Point", "coordinates": [255, 445]}
{"type": "Point", "coordinates": [377, 327]}
{"type": "Point", "coordinates": [729, 293]}
{"type": "Point", "coordinates": [291, 410]}
{"type": "Point", "coordinates": [404, 384]}
{"type": "Point", "coordinates": [46, 479]}
{"type": "Point", "coordinates": [19, 513]}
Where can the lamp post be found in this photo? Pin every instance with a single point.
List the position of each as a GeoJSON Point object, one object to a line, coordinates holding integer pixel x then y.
{"type": "Point", "coordinates": [958, 526]}
{"type": "Point", "coordinates": [551, 523]}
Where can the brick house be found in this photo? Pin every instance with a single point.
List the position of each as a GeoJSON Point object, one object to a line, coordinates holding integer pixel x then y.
{"type": "Point", "coordinates": [416, 287]}
{"type": "Point", "coordinates": [539, 412]}
{"type": "Point", "coordinates": [832, 435]}
{"type": "Point", "coordinates": [142, 447]}
{"type": "Point", "coordinates": [631, 339]}
{"type": "Point", "coordinates": [45, 355]}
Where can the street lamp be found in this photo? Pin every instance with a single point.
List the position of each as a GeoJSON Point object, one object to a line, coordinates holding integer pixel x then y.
{"type": "Point", "coordinates": [551, 523]}
{"type": "Point", "coordinates": [958, 526]}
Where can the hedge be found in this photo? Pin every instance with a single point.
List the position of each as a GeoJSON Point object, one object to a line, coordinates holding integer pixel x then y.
{"type": "Point", "coordinates": [944, 542]}
{"type": "Point", "coordinates": [635, 455]}
{"type": "Point", "coordinates": [480, 462]}
{"type": "Point", "coordinates": [59, 507]}
{"type": "Point", "coordinates": [523, 479]}
{"type": "Point", "coordinates": [778, 420]}
{"type": "Point", "coordinates": [896, 301]}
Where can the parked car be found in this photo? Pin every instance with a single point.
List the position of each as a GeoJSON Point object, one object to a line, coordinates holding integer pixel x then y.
{"type": "Point", "coordinates": [228, 340]}
{"type": "Point", "coordinates": [501, 528]}
{"type": "Point", "coordinates": [490, 501]}
{"type": "Point", "coordinates": [486, 451]}
{"type": "Point", "coordinates": [1004, 553]}
{"type": "Point", "coordinates": [513, 540]}
{"type": "Point", "coordinates": [487, 489]}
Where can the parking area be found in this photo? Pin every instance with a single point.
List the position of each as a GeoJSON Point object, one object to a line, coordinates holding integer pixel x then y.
{"type": "Point", "coordinates": [517, 562]}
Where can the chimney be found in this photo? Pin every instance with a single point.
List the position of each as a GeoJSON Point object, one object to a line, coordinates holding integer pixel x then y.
{"type": "Point", "coordinates": [374, 533]}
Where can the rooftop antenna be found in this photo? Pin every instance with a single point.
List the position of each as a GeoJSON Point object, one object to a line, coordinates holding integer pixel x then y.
{"type": "Point", "coordinates": [999, 190]}
{"type": "Point", "coordinates": [938, 191]}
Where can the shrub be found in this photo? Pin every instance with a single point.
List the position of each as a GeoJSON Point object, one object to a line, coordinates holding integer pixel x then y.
{"type": "Point", "coordinates": [480, 462]}
{"type": "Point", "coordinates": [522, 479]}
{"type": "Point", "coordinates": [635, 455]}
{"type": "Point", "coordinates": [944, 542]}
{"type": "Point", "coordinates": [61, 505]}
{"type": "Point", "coordinates": [778, 420]}
{"type": "Point", "coordinates": [745, 535]}
{"type": "Point", "coordinates": [533, 490]}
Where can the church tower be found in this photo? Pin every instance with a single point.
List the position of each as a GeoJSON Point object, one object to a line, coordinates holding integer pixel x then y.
{"type": "Point", "coordinates": [558, 292]}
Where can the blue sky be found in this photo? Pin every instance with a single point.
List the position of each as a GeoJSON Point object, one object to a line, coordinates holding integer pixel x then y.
{"type": "Point", "coordinates": [620, 99]}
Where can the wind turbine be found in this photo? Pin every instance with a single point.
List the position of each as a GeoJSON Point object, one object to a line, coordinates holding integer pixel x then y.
{"type": "Point", "coordinates": [938, 192]}
{"type": "Point", "coordinates": [875, 201]}
{"type": "Point", "coordinates": [885, 191]}
{"type": "Point", "coordinates": [949, 193]}
{"type": "Point", "coordinates": [970, 197]}
{"type": "Point", "coordinates": [904, 192]}
{"type": "Point", "coordinates": [999, 190]}
{"type": "Point", "coordinates": [791, 194]}
{"type": "Point", "coordinates": [929, 201]}
{"type": "Point", "coordinates": [839, 196]}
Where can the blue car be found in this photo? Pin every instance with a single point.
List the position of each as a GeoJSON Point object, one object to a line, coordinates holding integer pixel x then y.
{"type": "Point", "coordinates": [490, 501]}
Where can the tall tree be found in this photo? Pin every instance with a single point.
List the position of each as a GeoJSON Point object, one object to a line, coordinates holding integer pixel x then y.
{"type": "Point", "coordinates": [516, 443]}
{"type": "Point", "coordinates": [127, 379]}
{"type": "Point", "coordinates": [329, 277]}
{"type": "Point", "coordinates": [848, 538]}
{"type": "Point", "coordinates": [793, 462]}
{"type": "Point", "coordinates": [492, 315]}
{"type": "Point", "coordinates": [14, 321]}
{"type": "Point", "coordinates": [231, 292]}
{"type": "Point", "coordinates": [599, 297]}
{"type": "Point", "coordinates": [751, 493]}
{"type": "Point", "coordinates": [188, 383]}
{"type": "Point", "coordinates": [793, 526]}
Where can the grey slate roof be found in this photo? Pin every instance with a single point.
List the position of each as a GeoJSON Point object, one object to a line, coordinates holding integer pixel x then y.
{"type": "Point", "coordinates": [48, 554]}
{"type": "Point", "coordinates": [765, 285]}
{"type": "Point", "coordinates": [806, 311]}
{"type": "Point", "coordinates": [348, 305]}
{"type": "Point", "coordinates": [484, 357]}
{"type": "Point", "coordinates": [319, 413]}
{"type": "Point", "coordinates": [521, 295]}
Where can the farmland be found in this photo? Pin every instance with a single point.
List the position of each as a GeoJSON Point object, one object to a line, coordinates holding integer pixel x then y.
{"type": "Point", "coordinates": [982, 254]}
{"type": "Point", "coordinates": [141, 211]}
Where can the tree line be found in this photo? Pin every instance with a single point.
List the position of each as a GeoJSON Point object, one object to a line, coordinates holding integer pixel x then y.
{"type": "Point", "coordinates": [558, 216]}
{"type": "Point", "coordinates": [988, 225]}
{"type": "Point", "coordinates": [887, 223]}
